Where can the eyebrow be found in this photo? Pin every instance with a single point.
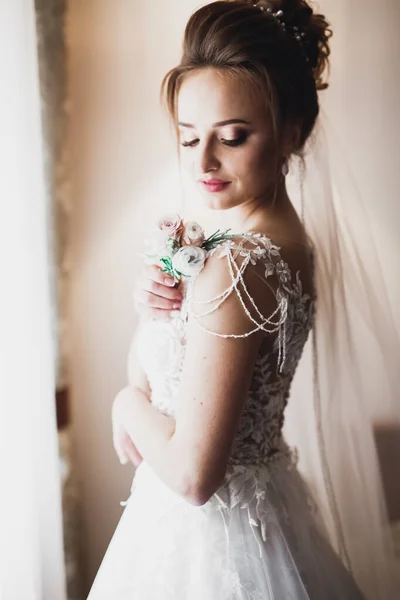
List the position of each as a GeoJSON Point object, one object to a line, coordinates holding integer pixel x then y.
{"type": "Point", "coordinates": [218, 123]}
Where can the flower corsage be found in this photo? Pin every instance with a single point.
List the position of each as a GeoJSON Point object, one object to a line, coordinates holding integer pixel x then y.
{"type": "Point", "coordinates": [180, 248]}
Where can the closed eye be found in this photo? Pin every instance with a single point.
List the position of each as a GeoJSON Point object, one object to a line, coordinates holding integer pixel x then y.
{"type": "Point", "coordinates": [189, 144]}
{"type": "Point", "coordinates": [238, 141]}
{"type": "Point", "coordinates": [232, 143]}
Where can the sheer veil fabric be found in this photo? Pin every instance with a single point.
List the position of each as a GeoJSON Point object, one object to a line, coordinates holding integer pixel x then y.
{"type": "Point", "coordinates": [351, 359]}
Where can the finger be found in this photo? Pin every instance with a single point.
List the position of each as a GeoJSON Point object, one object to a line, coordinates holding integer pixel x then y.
{"type": "Point", "coordinates": [132, 452]}
{"type": "Point", "coordinates": [122, 456]}
{"type": "Point", "coordinates": [127, 449]}
{"type": "Point", "coordinates": [159, 289]}
{"type": "Point", "coordinates": [130, 447]}
{"type": "Point", "coordinates": [118, 434]}
{"type": "Point", "coordinates": [154, 313]}
{"type": "Point", "coordinates": [153, 301]}
{"type": "Point", "coordinates": [133, 456]}
{"type": "Point", "coordinates": [157, 274]}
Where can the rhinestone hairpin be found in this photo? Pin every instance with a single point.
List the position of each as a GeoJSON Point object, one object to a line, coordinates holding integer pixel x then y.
{"type": "Point", "coordinates": [294, 31]}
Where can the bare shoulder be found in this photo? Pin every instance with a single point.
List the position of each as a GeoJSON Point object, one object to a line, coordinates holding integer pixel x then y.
{"type": "Point", "coordinates": [237, 286]}
{"type": "Point", "coordinates": [297, 258]}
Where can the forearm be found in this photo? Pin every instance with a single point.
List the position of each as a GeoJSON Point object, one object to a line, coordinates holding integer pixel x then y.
{"type": "Point", "coordinates": [152, 433]}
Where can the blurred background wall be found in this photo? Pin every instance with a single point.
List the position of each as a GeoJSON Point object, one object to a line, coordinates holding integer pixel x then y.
{"type": "Point", "coordinates": [125, 172]}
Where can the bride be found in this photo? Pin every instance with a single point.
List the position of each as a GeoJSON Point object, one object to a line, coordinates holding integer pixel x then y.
{"type": "Point", "coordinates": [218, 509]}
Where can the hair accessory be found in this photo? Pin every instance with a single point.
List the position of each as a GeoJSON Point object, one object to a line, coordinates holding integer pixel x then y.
{"type": "Point", "coordinates": [293, 30]}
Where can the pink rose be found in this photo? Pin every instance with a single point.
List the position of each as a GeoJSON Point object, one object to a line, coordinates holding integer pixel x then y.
{"type": "Point", "coordinates": [193, 234]}
{"type": "Point", "coordinates": [171, 226]}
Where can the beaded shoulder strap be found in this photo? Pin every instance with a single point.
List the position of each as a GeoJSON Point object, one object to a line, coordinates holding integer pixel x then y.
{"type": "Point", "coordinates": [253, 249]}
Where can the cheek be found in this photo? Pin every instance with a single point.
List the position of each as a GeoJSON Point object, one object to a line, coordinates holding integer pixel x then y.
{"type": "Point", "coordinates": [257, 163]}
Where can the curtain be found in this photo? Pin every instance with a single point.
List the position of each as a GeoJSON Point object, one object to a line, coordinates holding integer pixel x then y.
{"type": "Point", "coordinates": [31, 556]}
{"type": "Point", "coordinates": [52, 58]}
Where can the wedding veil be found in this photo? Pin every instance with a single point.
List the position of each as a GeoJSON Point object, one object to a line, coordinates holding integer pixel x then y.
{"type": "Point", "coordinates": [352, 359]}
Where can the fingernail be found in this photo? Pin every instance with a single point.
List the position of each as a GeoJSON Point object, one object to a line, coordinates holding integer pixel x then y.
{"type": "Point", "coordinates": [123, 460]}
{"type": "Point", "coordinates": [177, 305]}
{"type": "Point", "coordinates": [169, 281]}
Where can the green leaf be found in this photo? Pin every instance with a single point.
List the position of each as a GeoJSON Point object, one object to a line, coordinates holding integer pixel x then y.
{"type": "Point", "coordinates": [216, 238]}
{"type": "Point", "coordinates": [166, 260]}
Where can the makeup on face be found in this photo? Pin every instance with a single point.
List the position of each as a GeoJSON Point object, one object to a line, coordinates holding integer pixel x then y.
{"type": "Point", "coordinates": [227, 146]}
{"type": "Point", "coordinates": [229, 133]}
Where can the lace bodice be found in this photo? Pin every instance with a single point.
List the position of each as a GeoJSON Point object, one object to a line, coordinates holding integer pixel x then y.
{"type": "Point", "coordinates": [160, 346]}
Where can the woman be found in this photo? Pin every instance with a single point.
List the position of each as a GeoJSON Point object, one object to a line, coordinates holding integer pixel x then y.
{"type": "Point", "coordinates": [218, 510]}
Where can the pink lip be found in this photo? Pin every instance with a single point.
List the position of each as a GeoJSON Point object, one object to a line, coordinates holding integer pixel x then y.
{"type": "Point", "coordinates": [215, 185]}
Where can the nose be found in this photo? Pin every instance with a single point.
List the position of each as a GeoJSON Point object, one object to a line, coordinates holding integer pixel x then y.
{"type": "Point", "coordinates": [208, 160]}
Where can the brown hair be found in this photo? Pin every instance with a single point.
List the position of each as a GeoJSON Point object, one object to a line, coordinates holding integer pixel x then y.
{"type": "Point", "coordinates": [242, 37]}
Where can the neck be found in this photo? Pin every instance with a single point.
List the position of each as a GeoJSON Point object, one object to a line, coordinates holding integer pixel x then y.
{"type": "Point", "coordinates": [252, 215]}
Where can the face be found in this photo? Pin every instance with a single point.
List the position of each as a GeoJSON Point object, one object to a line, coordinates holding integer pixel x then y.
{"type": "Point", "coordinates": [226, 137]}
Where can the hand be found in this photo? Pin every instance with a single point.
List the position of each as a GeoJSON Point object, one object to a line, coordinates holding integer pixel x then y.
{"type": "Point", "coordinates": [123, 444]}
{"type": "Point", "coordinates": [156, 295]}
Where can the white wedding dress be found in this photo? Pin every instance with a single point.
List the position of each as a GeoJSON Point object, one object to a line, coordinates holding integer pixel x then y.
{"type": "Point", "coordinates": [257, 538]}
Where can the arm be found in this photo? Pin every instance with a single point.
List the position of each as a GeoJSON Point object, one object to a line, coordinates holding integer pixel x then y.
{"type": "Point", "coordinates": [124, 447]}
{"type": "Point", "coordinates": [190, 454]}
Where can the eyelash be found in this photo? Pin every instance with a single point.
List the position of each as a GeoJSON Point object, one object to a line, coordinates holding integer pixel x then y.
{"type": "Point", "coordinates": [231, 143]}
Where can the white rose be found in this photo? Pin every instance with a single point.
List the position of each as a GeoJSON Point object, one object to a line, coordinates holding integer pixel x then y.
{"type": "Point", "coordinates": [189, 260]}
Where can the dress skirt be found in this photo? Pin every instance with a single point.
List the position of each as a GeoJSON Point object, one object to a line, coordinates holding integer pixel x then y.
{"type": "Point", "coordinates": [257, 538]}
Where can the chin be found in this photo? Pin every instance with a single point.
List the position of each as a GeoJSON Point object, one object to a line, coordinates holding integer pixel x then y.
{"type": "Point", "coordinates": [213, 204]}
{"type": "Point", "coordinates": [218, 200]}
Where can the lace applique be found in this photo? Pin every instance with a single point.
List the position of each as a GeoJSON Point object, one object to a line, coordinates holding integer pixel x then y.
{"type": "Point", "coordinates": [245, 486]}
{"type": "Point", "coordinates": [256, 537]}
{"type": "Point", "coordinates": [254, 249]}
{"type": "Point", "coordinates": [264, 251]}
{"type": "Point", "coordinates": [161, 349]}
{"type": "Point", "coordinates": [160, 346]}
